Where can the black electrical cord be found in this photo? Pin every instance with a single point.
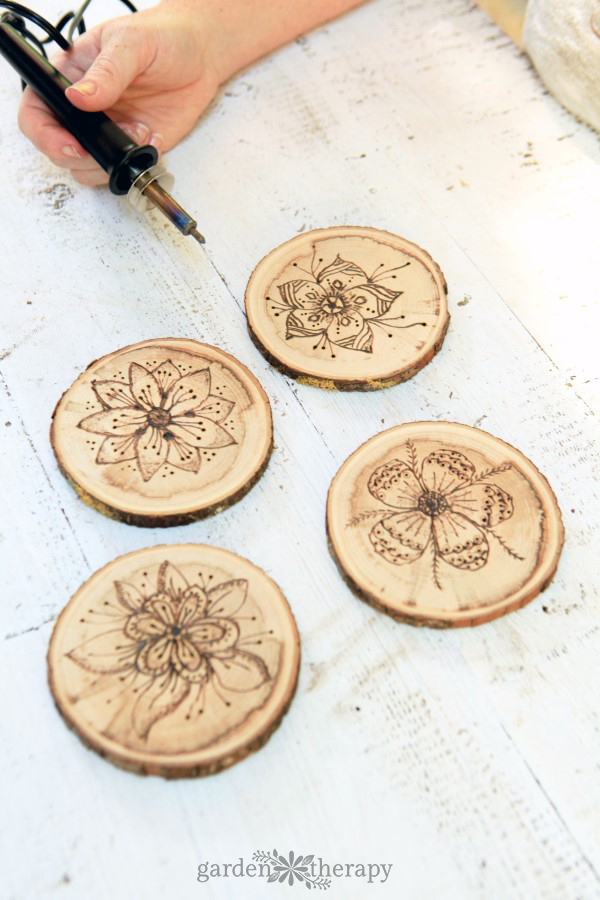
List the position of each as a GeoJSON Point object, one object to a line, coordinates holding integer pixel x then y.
{"type": "Point", "coordinates": [131, 166]}
{"type": "Point", "coordinates": [21, 13]}
{"type": "Point", "coordinates": [63, 22]}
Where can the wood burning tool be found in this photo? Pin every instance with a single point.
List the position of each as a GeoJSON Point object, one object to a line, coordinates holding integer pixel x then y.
{"type": "Point", "coordinates": [132, 169]}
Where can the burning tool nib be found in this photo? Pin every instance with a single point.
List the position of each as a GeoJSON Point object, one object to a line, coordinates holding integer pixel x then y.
{"type": "Point", "coordinates": [151, 189]}
{"type": "Point", "coordinates": [132, 169]}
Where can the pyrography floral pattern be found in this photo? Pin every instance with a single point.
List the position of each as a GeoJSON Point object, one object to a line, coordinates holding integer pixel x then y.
{"type": "Point", "coordinates": [338, 306]}
{"type": "Point", "coordinates": [174, 644]}
{"type": "Point", "coordinates": [443, 504]}
{"type": "Point", "coordinates": [159, 416]}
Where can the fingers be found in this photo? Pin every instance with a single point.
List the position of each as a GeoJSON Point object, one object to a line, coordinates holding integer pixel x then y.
{"type": "Point", "coordinates": [85, 171]}
{"type": "Point", "coordinates": [124, 53]}
{"type": "Point", "coordinates": [39, 125]}
{"type": "Point", "coordinates": [37, 122]}
{"type": "Point", "coordinates": [102, 64]}
{"type": "Point", "coordinates": [90, 177]}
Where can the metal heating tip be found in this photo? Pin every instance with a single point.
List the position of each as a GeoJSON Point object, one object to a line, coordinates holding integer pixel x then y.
{"type": "Point", "coordinates": [199, 237]}
{"type": "Point", "coordinates": [147, 191]}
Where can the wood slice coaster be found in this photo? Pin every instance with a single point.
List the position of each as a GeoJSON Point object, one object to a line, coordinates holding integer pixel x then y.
{"type": "Point", "coordinates": [444, 525]}
{"type": "Point", "coordinates": [163, 432]}
{"type": "Point", "coordinates": [175, 660]}
{"type": "Point", "coordinates": [348, 308]}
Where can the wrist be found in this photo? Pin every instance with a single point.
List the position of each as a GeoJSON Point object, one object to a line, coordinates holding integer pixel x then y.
{"type": "Point", "coordinates": [209, 25]}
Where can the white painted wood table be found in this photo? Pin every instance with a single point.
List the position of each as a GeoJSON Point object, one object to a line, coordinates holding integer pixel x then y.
{"type": "Point", "coordinates": [468, 759]}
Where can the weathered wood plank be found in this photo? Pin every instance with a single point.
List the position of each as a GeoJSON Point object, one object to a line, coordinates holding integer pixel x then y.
{"type": "Point", "coordinates": [476, 750]}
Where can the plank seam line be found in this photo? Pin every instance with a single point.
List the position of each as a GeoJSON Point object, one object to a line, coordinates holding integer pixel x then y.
{"type": "Point", "coordinates": [7, 351]}
{"type": "Point", "coordinates": [15, 634]}
{"type": "Point", "coordinates": [37, 457]}
{"type": "Point", "coordinates": [516, 317]}
{"type": "Point", "coordinates": [289, 385]}
{"type": "Point", "coordinates": [552, 804]}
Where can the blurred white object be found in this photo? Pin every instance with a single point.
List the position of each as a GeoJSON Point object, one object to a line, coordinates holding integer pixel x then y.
{"type": "Point", "coordinates": [562, 37]}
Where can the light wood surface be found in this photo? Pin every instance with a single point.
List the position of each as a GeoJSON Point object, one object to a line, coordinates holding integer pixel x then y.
{"type": "Point", "coordinates": [467, 757]}
{"type": "Point", "coordinates": [351, 308]}
{"type": "Point", "coordinates": [441, 524]}
{"type": "Point", "coordinates": [163, 432]}
{"type": "Point", "coordinates": [175, 660]}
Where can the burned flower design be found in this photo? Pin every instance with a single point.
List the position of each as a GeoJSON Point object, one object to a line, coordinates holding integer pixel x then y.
{"type": "Point", "coordinates": [442, 505]}
{"type": "Point", "coordinates": [159, 416]}
{"type": "Point", "coordinates": [338, 306]}
{"type": "Point", "coordinates": [174, 644]}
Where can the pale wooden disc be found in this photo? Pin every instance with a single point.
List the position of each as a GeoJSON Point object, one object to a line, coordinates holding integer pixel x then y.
{"type": "Point", "coordinates": [175, 660]}
{"type": "Point", "coordinates": [348, 308]}
{"type": "Point", "coordinates": [163, 432]}
{"type": "Point", "coordinates": [442, 524]}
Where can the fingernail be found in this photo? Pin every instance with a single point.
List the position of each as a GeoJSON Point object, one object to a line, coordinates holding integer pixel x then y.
{"type": "Point", "coordinates": [156, 139]}
{"type": "Point", "coordinates": [85, 87]}
{"type": "Point", "coordinates": [70, 150]}
{"type": "Point", "coordinates": [142, 132]}
{"type": "Point", "coordinates": [129, 131]}
{"type": "Point", "coordinates": [138, 132]}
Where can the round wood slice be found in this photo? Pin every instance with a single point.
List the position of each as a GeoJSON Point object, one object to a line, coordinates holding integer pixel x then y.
{"type": "Point", "coordinates": [163, 432]}
{"type": "Point", "coordinates": [175, 660]}
{"type": "Point", "coordinates": [348, 308]}
{"type": "Point", "coordinates": [444, 525]}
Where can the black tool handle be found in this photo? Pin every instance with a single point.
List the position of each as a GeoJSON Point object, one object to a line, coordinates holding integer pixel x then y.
{"type": "Point", "coordinates": [114, 150]}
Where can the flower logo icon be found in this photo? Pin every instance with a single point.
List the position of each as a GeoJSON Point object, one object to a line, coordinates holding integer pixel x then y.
{"type": "Point", "coordinates": [292, 869]}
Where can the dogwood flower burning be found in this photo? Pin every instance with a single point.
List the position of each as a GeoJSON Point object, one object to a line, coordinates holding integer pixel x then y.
{"type": "Point", "coordinates": [442, 505]}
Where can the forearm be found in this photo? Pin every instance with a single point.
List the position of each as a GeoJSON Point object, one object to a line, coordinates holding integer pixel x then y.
{"type": "Point", "coordinates": [244, 30]}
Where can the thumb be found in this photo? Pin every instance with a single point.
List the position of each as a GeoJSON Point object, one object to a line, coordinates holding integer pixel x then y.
{"type": "Point", "coordinates": [121, 58]}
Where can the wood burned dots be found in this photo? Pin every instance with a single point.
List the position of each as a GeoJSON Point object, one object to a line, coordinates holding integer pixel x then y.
{"type": "Point", "coordinates": [446, 520]}
{"type": "Point", "coordinates": [187, 671]}
{"type": "Point", "coordinates": [161, 415]}
{"type": "Point", "coordinates": [342, 307]}
{"type": "Point", "coordinates": [165, 430]}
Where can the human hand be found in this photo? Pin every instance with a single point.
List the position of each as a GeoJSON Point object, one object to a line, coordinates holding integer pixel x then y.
{"type": "Point", "coordinates": [154, 72]}
{"type": "Point", "coordinates": [151, 72]}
